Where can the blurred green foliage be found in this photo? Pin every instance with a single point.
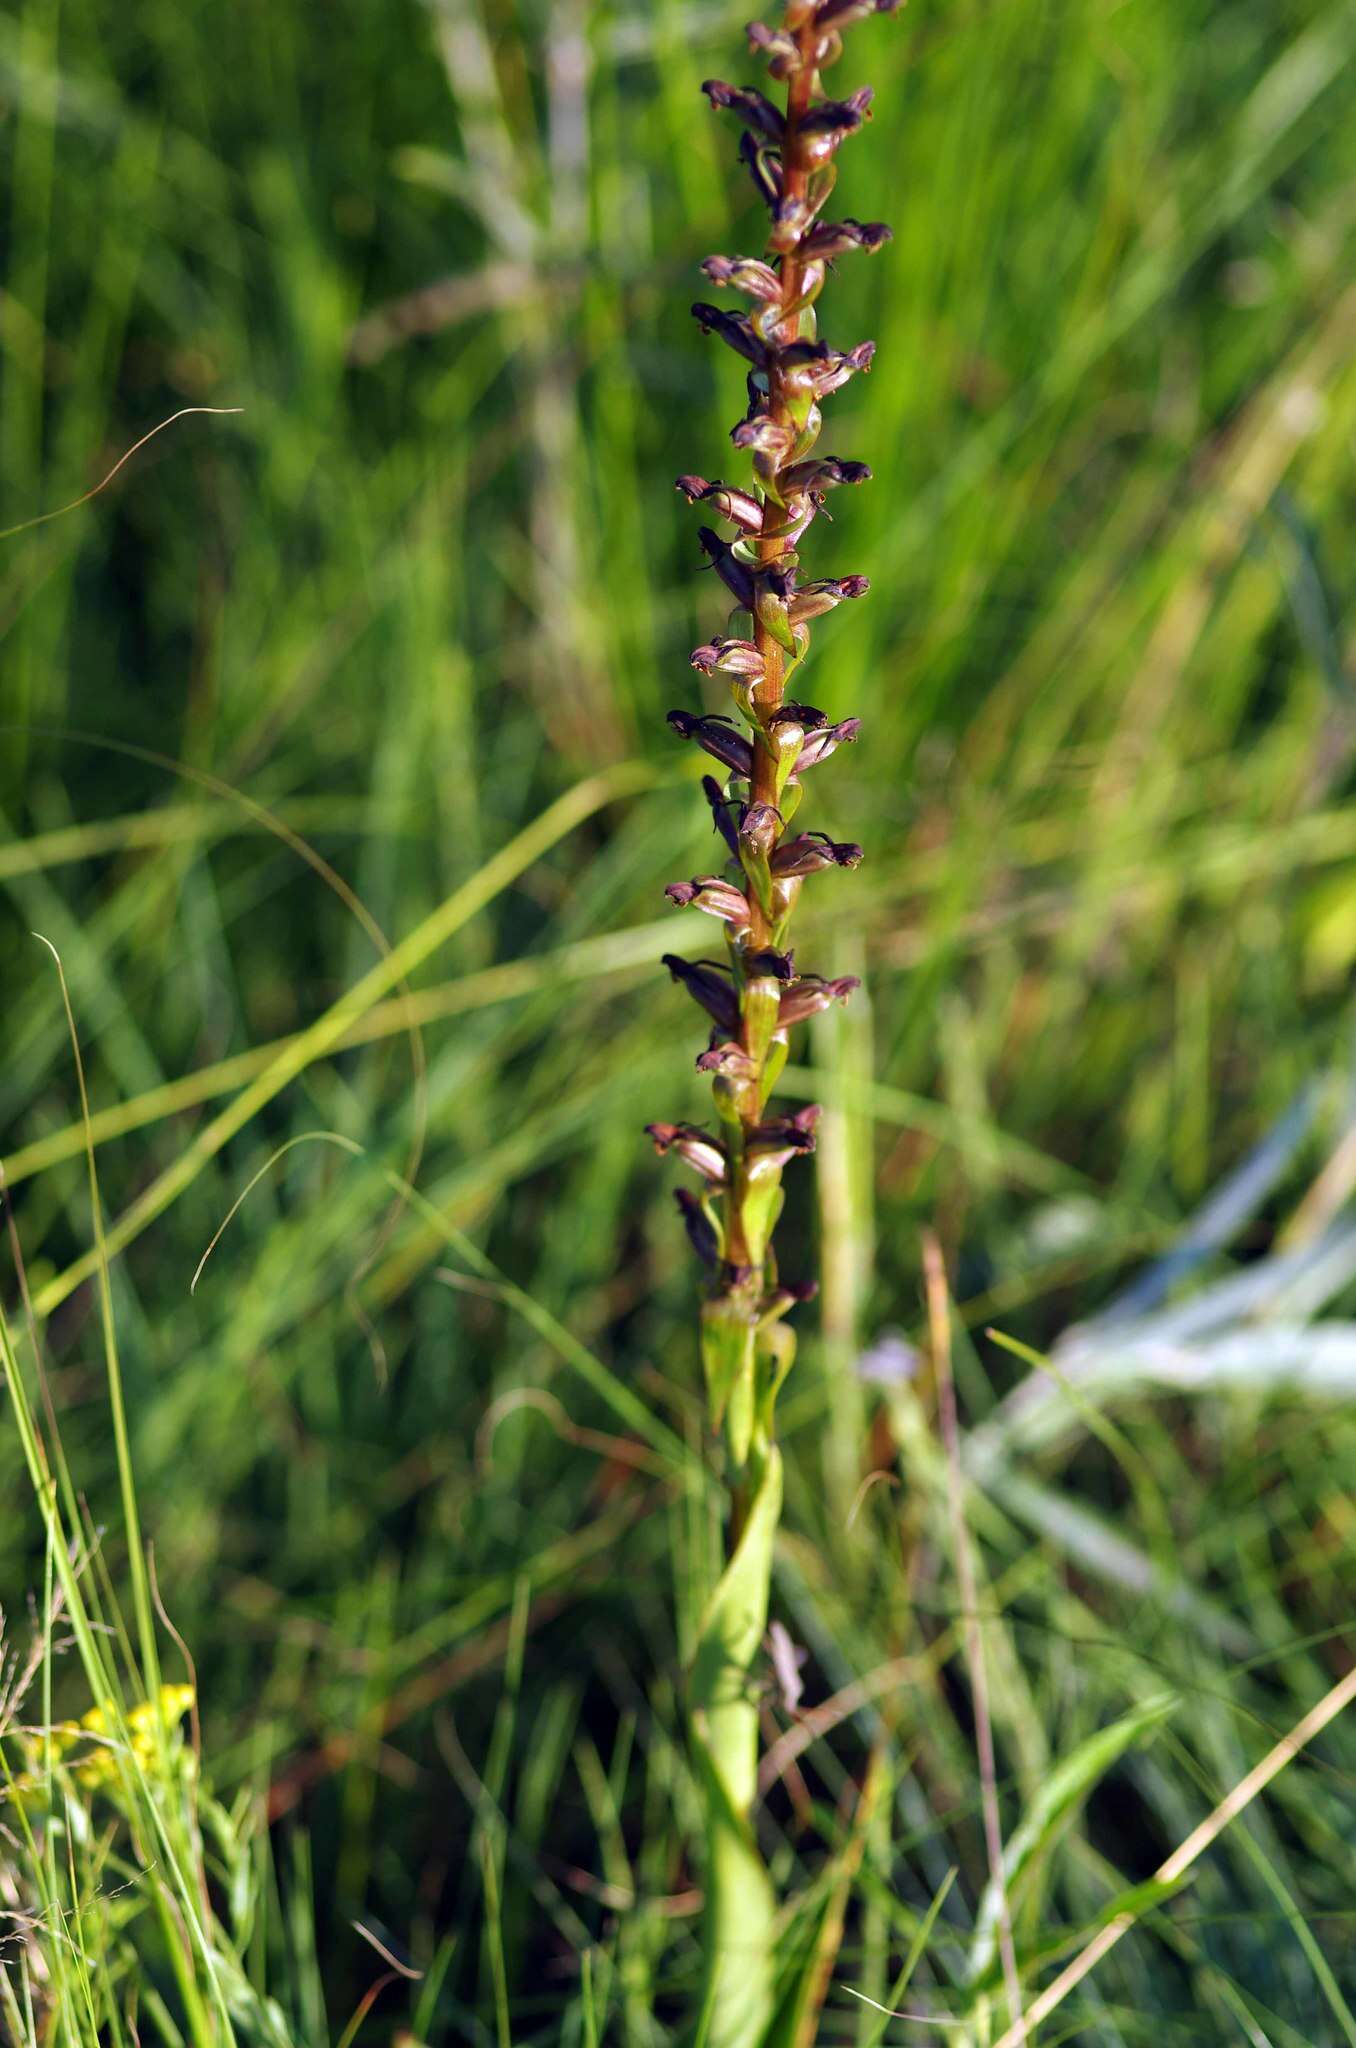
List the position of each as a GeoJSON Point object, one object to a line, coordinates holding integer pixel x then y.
{"type": "Point", "coordinates": [429, 578]}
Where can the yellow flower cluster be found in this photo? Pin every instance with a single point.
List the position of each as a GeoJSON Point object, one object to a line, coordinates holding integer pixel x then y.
{"type": "Point", "coordinates": [88, 1748]}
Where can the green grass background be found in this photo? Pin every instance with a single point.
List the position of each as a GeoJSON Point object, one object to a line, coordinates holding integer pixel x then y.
{"type": "Point", "coordinates": [432, 576]}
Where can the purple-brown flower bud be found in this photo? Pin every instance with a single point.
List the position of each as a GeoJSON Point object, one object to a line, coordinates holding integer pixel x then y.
{"type": "Point", "coordinates": [841, 14]}
{"type": "Point", "coordinates": [775, 1305]}
{"type": "Point", "coordinates": [771, 965]}
{"type": "Point", "coordinates": [718, 736]}
{"type": "Point", "coordinates": [771, 1145]}
{"type": "Point", "coordinates": [796, 1130]}
{"type": "Point", "coordinates": [830, 123]}
{"type": "Point", "coordinates": [702, 1233]}
{"type": "Point", "coordinates": [692, 1145]}
{"type": "Point", "coordinates": [808, 716]}
{"type": "Point", "coordinates": [735, 574]}
{"type": "Point", "coordinates": [734, 329]}
{"type": "Point", "coordinates": [811, 994]}
{"type": "Point", "coordinates": [817, 368]}
{"type": "Point", "coordinates": [819, 745]}
{"type": "Point", "coordinates": [812, 600]}
{"type": "Point", "coordinates": [729, 1061]}
{"type": "Point", "coordinates": [819, 473]}
{"type": "Point", "coordinates": [710, 986]}
{"type": "Point", "coordinates": [764, 436]}
{"type": "Point", "coordinates": [754, 108]}
{"type": "Point", "coordinates": [731, 658]}
{"type": "Point", "coordinates": [830, 238]}
{"type": "Point", "coordinates": [716, 896]}
{"type": "Point", "coordinates": [739, 507]}
{"type": "Point", "coordinates": [781, 50]}
{"type": "Point", "coordinates": [744, 274]}
{"type": "Point", "coordinates": [811, 851]}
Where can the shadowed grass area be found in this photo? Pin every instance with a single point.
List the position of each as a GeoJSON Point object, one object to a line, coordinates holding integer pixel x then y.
{"type": "Point", "coordinates": [378, 668]}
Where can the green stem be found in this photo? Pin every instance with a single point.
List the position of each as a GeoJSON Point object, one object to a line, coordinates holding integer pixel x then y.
{"type": "Point", "coordinates": [740, 1986]}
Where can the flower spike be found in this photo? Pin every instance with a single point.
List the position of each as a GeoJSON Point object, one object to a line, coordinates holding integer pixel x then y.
{"type": "Point", "coordinates": [757, 995]}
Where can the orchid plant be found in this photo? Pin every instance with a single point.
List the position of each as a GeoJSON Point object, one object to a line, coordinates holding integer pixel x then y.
{"type": "Point", "coordinates": [757, 994]}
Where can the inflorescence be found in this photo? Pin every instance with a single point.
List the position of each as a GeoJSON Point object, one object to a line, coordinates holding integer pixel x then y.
{"type": "Point", "coordinates": [758, 992]}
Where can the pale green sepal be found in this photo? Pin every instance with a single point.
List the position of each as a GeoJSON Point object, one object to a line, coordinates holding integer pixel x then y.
{"type": "Point", "coordinates": [762, 1207]}
{"type": "Point", "coordinates": [727, 1362]}
{"type": "Point", "coordinates": [773, 1061]}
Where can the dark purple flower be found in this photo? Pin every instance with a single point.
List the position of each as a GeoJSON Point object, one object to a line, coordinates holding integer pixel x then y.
{"type": "Point", "coordinates": [811, 994]}
{"type": "Point", "coordinates": [841, 14]}
{"type": "Point", "coordinates": [812, 600]}
{"type": "Point", "coordinates": [692, 1144]}
{"type": "Point", "coordinates": [710, 986]}
{"type": "Point", "coordinates": [716, 896]}
{"type": "Point", "coordinates": [720, 813]}
{"type": "Point", "coordinates": [754, 108]}
{"type": "Point", "coordinates": [810, 851]}
{"type": "Point", "coordinates": [830, 238]}
{"type": "Point", "coordinates": [735, 574]}
{"type": "Point", "coordinates": [731, 657]}
{"type": "Point", "coordinates": [819, 368]}
{"type": "Point", "coordinates": [764, 436]}
{"type": "Point", "coordinates": [807, 716]}
{"type": "Point", "coordinates": [718, 736]}
{"type": "Point", "coordinates": [819, 473]}
{"type": "Point", "coordinates": [776, 582]}
{"type": "Point", "coordinates": [734, 329]}
{"type": "Point", "coordinates": [819, 745]}
{"type": "Point", "coordinates": [701, 1232]}
{"type": "Point", "coordinates": [741, 508]}
{"type": "Point", "coordinates": [830, 123]}
{"type": "Point", "coordinates": [744, 274]}
{"type": "Point", "coordinates": [728, 1060]}
{"type": "Point", "coordinates": [834, 117]}
{"type": "Point", "coordinates": [770, 1145]}
{"type": "Point", "coordinates": [770, 965]}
